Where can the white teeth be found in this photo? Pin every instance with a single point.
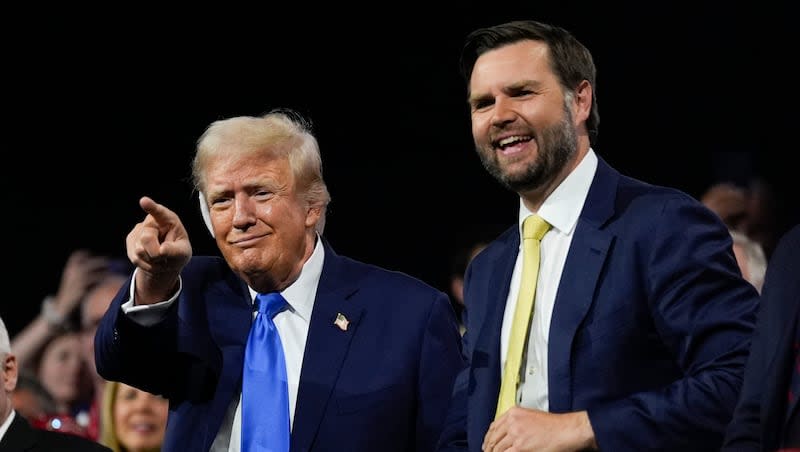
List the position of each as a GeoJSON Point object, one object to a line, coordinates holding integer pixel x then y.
{"type": "Point", "coordinates": [143, 428]}
{"type": "Point", "coordinates": [510, 140]}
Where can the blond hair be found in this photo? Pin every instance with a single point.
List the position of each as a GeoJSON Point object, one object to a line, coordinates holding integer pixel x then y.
{"type": "Point", "coordinates": [108, 434]}
{"type": "Point", "coordinates": [280, 133]}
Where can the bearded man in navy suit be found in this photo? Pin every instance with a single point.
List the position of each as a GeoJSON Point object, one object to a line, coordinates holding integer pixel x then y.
{"type": "Point", "coordinates": [641, 320]}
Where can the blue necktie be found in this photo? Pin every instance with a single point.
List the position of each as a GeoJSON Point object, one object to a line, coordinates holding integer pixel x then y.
{"type": "Point", "coordinates": [265, 393]}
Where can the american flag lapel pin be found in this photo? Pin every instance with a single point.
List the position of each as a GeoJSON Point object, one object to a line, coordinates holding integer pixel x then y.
{"type": "Point", "coordinates": [341, 321]}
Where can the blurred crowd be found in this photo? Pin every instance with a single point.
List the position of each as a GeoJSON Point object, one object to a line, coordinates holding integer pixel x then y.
{"type": "Point", "coordinates": [58, 388]}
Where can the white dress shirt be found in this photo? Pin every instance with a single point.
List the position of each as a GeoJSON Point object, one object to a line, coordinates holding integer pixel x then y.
{"type": "Point", "coordinates": [292, 325]}
{"type": "Point", "coordinates": [561, 210]}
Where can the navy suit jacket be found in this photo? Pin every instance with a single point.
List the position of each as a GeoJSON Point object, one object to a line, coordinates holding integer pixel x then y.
{"type": "Point", "coordinates": [22, 437]}
{"type": "Point", "coordinates": [383, 384]}
{"type": "Point", "coordinates": [650, 328]}
{"type": "Point", "coordinates": [762, 417]}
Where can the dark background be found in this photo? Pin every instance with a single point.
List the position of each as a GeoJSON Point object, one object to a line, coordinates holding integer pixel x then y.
{"type": "Point", "coordinates": [103, 107]}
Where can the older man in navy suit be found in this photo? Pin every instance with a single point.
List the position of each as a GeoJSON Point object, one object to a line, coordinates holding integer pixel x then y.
{"type": "Point", "coordinates": [370, 354]}
{"type": "Point", "coordinates": [640, 323]}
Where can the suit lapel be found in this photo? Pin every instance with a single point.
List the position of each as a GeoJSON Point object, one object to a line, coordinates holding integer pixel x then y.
{"type": "Point", "coordinates": [587, 254]}
{"type": "Point", "coordinates": [230, 308]}
{"type": "Point", "coordinates": [485, 357]}
{"type": "Point", "coordinates": [326, 347]}
{"type": "Point", "coordinates": [581, 271]}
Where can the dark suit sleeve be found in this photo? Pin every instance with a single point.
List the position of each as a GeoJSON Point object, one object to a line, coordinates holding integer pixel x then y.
{"type": "Point", "coordinates": [744, 431]}
{"type": "Point", "coordinates": [454, 432]}
{"type": "Point", "coordinates": [768, 369]}
{"type": "Point", "coordinates": [176, 357]}
{"type": "Point", "coordinates": [141, 356]}
{"type": "Point", "coordinates": [703, 313]}
{"type": "Point", "coordinates": [441, 360]}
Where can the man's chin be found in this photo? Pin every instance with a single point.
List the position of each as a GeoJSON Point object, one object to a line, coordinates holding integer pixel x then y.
{"type": "Point", "coordinates": [245, 261]}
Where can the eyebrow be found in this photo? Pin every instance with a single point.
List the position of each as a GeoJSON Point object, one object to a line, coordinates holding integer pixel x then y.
{"type": "Point", "coordinates": [516, 86]}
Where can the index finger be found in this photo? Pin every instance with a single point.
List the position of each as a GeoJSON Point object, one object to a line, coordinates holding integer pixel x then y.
{"type": "Point", "coordinates": [159, 212]}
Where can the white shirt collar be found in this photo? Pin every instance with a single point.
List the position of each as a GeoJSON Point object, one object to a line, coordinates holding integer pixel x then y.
{"type": "Point", "coordinates": [301, 293]}
{"type": "Point", "coordinates": [563, 207]}
{"type": "Point", "coordinates": [4, 427]}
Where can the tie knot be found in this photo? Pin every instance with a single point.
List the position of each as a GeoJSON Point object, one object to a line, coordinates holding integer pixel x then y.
{"type": "Point", "coordinates": [270, 303]}
{"type": "Point", "coordinates": [534, 227]}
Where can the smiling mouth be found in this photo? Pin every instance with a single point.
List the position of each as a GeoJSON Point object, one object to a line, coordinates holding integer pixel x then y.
{"type": "Point", "coordinates": [143, 428]}
{"type": "Point", "coordinates": [247, 241]}
{"type": "Point", "coordinates": [508, 142]}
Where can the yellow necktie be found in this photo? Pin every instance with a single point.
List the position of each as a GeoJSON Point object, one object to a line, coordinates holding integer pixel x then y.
{"type": "Point", "coordinates": [533, 229]}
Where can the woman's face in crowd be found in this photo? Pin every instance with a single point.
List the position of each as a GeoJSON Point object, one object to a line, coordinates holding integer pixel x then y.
{"type": "Point", "coordinates": [61, 368]}
{"type": "Point", "coordinates": [140, 419]}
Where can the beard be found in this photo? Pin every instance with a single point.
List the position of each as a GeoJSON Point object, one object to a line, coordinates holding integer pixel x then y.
{"type": "Point", "coordinates": [557, 145]}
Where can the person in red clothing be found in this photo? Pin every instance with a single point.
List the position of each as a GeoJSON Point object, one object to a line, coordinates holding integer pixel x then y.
{"type": "Point", "coordinates": [60, 368]}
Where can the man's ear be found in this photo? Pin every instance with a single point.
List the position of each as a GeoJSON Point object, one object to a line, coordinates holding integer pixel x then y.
{"type": "Point", "coordinates": [205, 213]}
{"type": "Point", "coordinates": [313, 216]}
{"type": "Point", "coordinates": [10, 372]}
{"type": "Point", "coordinates": [583, 101]}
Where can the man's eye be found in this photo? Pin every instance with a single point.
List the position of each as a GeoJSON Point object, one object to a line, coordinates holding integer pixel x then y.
{"type": "Point", "coordinates": [481, 104]}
